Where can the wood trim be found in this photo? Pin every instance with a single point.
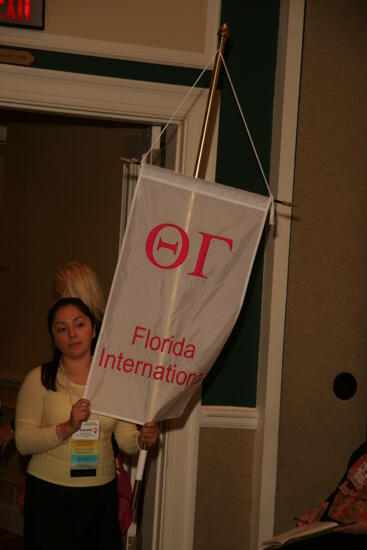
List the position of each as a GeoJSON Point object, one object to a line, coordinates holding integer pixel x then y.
{"type": "Point", "coordinates": [56, 91]}
{"type": "Point", "coordinates": [112, 98]}
{"type": "Point", "coordinates": [9, 387]}
{"type": "Point", "coordinates": [179, 499]}
{"type": "Point", "coordinates": [243, 418]}
{"type": "Point", "coordinates": [11, 518]}
{"type": "Point", "coordinates": [10, 380]}
{"type": "Point", "coordinates": [14, 478]}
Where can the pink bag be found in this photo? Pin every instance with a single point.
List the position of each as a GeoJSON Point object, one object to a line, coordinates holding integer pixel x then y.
{"type": "Point", "coordinates": [20, 499]}
{"type": "Point", "coordinates": [123, 495]}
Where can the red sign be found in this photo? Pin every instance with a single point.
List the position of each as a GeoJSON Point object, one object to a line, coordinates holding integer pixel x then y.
{"type": "Point", "coordinates": [23, 13]}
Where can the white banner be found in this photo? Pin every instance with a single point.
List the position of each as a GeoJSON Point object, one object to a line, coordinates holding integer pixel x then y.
{"type": "Point", "coordinates": [179, 284]}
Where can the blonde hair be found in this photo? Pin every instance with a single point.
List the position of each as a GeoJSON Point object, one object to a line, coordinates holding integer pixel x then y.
{"type": "Point", "coordinates": [78, 280]}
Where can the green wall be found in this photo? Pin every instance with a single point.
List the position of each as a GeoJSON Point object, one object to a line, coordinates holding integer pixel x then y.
{"type": "Point", "coordinates": [251, 60]}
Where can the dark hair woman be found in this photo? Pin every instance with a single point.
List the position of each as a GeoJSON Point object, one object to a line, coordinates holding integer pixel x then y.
{"type": "Point", "coordinates": [70, 499]}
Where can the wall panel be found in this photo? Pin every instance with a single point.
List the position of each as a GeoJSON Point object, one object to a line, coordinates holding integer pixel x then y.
{"type": "Point", "coordinates": [326, 322]}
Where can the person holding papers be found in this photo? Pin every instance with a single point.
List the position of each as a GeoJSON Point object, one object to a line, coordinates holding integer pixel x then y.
{"type": "Point", "coordinates": [347, 505]}
{"type": "Point", "coordinates": [70, 498]}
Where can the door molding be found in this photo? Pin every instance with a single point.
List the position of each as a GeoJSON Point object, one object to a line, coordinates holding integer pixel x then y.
{"type": "Point", "coordinates": [41, 90]}
{"type": "Point", "coordinates": [243, 418]}
{"type": "Point", "coordinates": [276, 259]}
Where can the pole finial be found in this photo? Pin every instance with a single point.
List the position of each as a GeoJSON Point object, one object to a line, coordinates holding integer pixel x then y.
{"type": "Point", "coordinates": [223, 34]}
{"type": "Point", "coordinates": [223, 31]}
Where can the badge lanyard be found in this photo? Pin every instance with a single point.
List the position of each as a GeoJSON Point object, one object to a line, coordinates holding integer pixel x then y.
{"type": "Point", "coordinates": [84, 443]}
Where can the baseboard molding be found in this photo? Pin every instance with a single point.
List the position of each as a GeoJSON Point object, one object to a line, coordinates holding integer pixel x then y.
{"type": "Point", "coordinates": [243, 418]}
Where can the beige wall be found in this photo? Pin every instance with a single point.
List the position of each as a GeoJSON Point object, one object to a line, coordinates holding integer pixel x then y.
{"type": "Point", "coordinates": [223, 504]}
{"type": "Point", "coordinates": [160, 24]}
{"type": "Point", "coordinates": [326, 324]}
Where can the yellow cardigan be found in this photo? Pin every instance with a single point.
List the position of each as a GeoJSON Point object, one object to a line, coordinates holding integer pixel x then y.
{"type": "Point", "coordinates": [39, 410]}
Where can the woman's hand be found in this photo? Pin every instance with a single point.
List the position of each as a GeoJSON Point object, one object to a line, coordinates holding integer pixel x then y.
{"type": "Point", "coordinates": [80, 412]}
{"type": "Point", "coordinates": [313, 515]}
{"type": "Point", "coordinates": [358, 528]}
{"type": "Point", "coordinates": [148, 434]}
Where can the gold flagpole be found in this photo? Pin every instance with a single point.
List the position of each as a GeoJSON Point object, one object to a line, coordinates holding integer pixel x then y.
{"type": "Point", "coordinates": [223, 34]}
{"type": "Point", "coordinates": [137, 483]}
{"type": "Point", "coordinates": [199, 171]}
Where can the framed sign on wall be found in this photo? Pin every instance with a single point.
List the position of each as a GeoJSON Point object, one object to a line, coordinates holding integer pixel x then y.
{"type": "Point", "coordinates": [23, 13]}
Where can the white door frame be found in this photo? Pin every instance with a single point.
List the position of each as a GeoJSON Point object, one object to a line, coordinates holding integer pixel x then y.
{"type": "Point", "coordinates": [276, 259]}
{"type": "Point", "coordinates": [41, 90]}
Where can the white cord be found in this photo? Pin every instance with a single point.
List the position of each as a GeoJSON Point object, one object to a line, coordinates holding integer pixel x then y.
{"type": "Point", "coordinates": [272, 209]}
{"type": "Point", "coordinates": [144, 157]}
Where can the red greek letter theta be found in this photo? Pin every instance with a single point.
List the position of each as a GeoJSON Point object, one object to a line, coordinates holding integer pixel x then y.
{"type": "Point", "coordinates": [170, 246]}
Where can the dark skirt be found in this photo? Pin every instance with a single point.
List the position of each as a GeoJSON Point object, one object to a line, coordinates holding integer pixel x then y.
{"type": "Point", "coordinates": [60, 517]}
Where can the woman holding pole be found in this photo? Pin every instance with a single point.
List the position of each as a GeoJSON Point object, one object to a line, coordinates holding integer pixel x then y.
{"type": "Point", "coordinates": [71, 490]}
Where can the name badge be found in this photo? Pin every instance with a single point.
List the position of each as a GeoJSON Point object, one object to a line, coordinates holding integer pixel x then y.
{"type": "Point", "coordinates": [84, 450]}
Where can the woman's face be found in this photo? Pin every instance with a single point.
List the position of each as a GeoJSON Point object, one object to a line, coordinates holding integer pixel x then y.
{"type": "Point", "coordinates": [72, 332]}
